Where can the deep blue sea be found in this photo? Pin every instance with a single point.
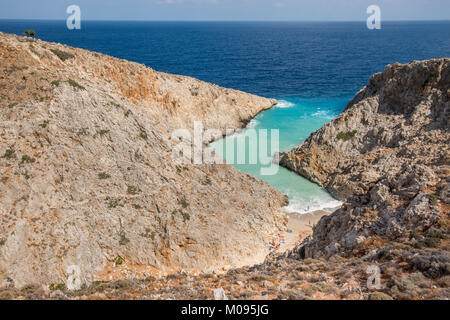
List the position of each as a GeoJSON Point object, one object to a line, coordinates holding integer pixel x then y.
{"type": "Point", "coordinates": [313, 69]}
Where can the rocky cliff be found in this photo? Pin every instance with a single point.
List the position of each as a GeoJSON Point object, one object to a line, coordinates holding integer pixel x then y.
{"type": "Point", "coordinates": [388, 155]}
{"type": "Point", "coordinates": [87, 182]}
{"type": "Point", "coordinates": [87, 179]}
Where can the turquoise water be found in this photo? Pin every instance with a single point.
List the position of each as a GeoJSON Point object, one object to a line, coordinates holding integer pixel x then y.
{"type": "Point", "coordinates": [293, 61]}
{"type": "Point", "coordinates": [295, 118]}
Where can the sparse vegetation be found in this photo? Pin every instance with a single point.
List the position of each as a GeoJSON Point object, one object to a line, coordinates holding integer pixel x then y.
{"type": "Point", "coordinates": [14, 68]}
{"type": "Point", "coordinates": [207, 181]}
{"type": "Point", "coordinates": [75, 84]}
{"type": "Point", "coordinates": [194, 91]}
{"type": "Point", "coordinates": [62, 54]}
{"type": "Point", "coordinates": [436, 233]}
{"type": "Point", "coordinates": [379, 296]}
{"type": "Point", "coordinates": [9, 153]}
{"type": "Point", "coordinates": [30, 33]}
{"type": "Point", "coordinates": [143, 135]}
{"type": "Point", "coordinates": [431, 239]}
{"type": "Point", "coordinates": [59, 286]}
{"type": "Point", "coordinates": [136, 206]}
{"type": "Point", "coordinates": [114, 203]}
{"type": "Point", "coordinates": [133, 190]}
{"type": "Point", "coordinates": [118, 260]}
{"type": "Point", "coordinates": [55, 83]}
{"type": "Point", "coordinates": [33, 50]}
{"type": "Point", "coordinates": [83, 132]}
{"type": "Point", "coordinates": [434, 199]}
{"type": "Point", "coordinates": [123, 239]}
{"type": "Point", "coordinates": [27, 159]}
{"type": "Point", "coordinates": [183, 214]}
{"type": "Point", "coordinates": [114, 104]}
{"type": "Point", "coordinates": [345, 136]}
{"type": "Point", "coordinates": [103, 176]}
{"type": "Point", "coordinates": [44, 124]}
{"type": "Point", "coordinates": [149, 234]}
{"type": "Point", "coordinates": [103, 132]}
{"type": "Point", "coordinates": [183, 203]}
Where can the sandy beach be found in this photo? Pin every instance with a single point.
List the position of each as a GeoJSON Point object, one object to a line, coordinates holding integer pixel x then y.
{"type": "Point", "coordinates": [301, 226]}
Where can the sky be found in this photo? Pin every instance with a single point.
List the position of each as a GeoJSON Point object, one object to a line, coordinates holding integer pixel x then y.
{"type": "Point", "coordinates": [212, 10]}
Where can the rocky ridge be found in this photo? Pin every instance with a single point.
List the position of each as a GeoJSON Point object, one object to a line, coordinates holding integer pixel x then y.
{"type": "Point", "coordinates": [388, 156]}
{"type": "Point", "coordinates": [88, 187]}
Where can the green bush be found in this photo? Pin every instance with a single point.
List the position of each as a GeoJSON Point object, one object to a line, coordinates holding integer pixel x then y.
{"type": "Point", "coordinates": [118, 260]}
{"type": "Point", "coordinates": [379, 296]}
{"type": "Point", "coordinates": [59, 286]}
{"type": "Point", "coordinates": [345, 136]}
{"type": "Point", "coordinates": [149, 234]}
{"type": "Point", "coordinates": [434, 199]}
{"type": "Point", "coordinates": [30, 33]}
{"type": "Point", "coordinates": [103, 176]}
{"type": "Point", "coordinates": [432, 239]}
{"type": "Point", "coordinates": [114, 203]}
{"type": "Point", "coordinates": [44, 124]}
{"type": "Point", "coordinates": [9, 153]}
{"type": "Point", "coordinates": [27, 159]}
{"type": "Point", "coordinates": [183, 203]}
{"type": "Point", "coordinates": [103, 132]}
{"type": "Point", "coordinates": [186, 216]}
{"type": "Point", "coordinates": [123, 239]}
{"type": "Point", "coordinates": [143, 135]}
{"type": "Point", "coordinates": [74, 84]}
{"type": "Point", "coordinates": [133, 190]}
{"type": "Point", "coordinates": [62, 54]}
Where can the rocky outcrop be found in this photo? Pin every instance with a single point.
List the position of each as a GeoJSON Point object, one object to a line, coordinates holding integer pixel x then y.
{"type": "Point", "coordinates": [405, 273]}
{"type": "Point", "coordinates": [88, 187]}
{"type": "Point", "coordinates": [388, 155]}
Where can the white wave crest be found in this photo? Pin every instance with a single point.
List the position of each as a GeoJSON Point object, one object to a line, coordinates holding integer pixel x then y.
{"type": "Point", "coordinates": [252, 124]}
{"type": "Point", "coordinates": [284, 104]}
{"type": "Point", "coordinates": [302, 207]}
{"type": "Point", "coordinates": [324, 114]}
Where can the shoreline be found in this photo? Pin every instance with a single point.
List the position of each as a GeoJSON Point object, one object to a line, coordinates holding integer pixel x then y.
{"type": "Point", "coordinates": [300, 224]}
{"type": "Point", "coordinates": [299, 227]}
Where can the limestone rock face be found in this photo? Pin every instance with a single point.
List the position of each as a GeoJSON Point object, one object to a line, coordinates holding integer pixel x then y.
{"type": "Point", "coordinates": [88, 188]}
{"type": "Point", "coordinates": [388, 155]}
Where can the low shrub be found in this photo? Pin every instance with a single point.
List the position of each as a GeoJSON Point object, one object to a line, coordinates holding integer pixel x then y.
{"type": "Point", "coordinates": [62, 54]}
{"type": "Point", "coordinates": [345, 136]}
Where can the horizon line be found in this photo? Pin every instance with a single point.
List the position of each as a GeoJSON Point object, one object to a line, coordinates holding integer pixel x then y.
{"type": "Point", "coordinates": [199, 20]}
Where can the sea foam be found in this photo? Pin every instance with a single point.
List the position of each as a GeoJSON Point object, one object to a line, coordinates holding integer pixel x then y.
{"type": "Point", "coordinates": [284, 104]}
{"type": "Point", "coordinates": [302, 206]}
{"type": "Point", "coordinates": [252, 124]}
{"type": "Point", "coordinates": [325, 114]}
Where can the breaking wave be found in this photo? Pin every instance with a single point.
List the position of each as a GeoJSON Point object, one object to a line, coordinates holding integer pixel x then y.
{"type": "Point", "coordinates": [284, 104]}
